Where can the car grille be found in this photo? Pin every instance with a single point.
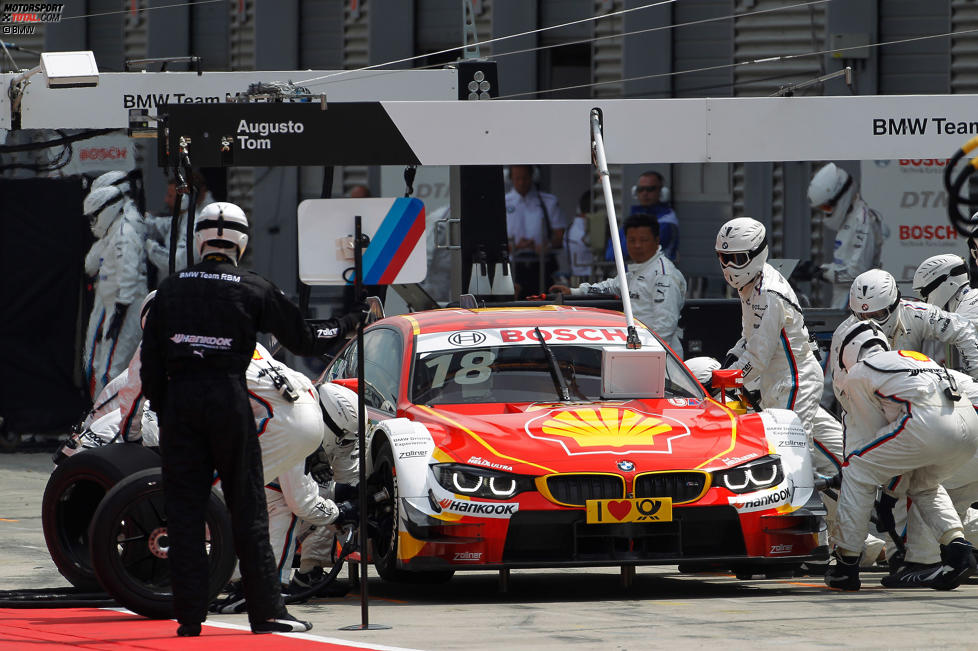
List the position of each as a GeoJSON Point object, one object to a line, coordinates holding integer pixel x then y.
{"type": "Point", "coordinates": [577, 489]}
{"type": "Point", "coordinates": [550, 537]}
{"type": "Point", "coordinates": [680, 486]}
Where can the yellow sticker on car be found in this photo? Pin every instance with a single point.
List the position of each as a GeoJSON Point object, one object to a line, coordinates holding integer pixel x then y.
{"type": "Point", "coordinates": [638, 509]}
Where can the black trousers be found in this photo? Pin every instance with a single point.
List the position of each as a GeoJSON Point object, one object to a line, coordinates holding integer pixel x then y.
{"type": "Point", "coordinates": [206, 425]}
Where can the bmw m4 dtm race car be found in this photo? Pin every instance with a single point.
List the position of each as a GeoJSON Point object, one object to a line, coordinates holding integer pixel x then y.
{"type": "Point", "coordinates": [531, 437]}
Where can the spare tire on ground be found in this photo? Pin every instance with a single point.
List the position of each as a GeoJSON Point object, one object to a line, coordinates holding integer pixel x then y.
{"type": "Point", "coordinates": [130, 546]}
{"type": "Point", "coordinates": [73, 492]}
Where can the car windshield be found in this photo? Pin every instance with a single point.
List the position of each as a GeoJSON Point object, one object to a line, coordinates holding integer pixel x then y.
{"type": "Point", "coordinates": [494, 374]}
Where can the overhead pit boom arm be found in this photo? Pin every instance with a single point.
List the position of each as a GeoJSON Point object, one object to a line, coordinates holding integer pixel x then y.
{"type": "Point", "coordinates": [699, 130]}
{"type": "Point", "coordinates": [429, 118]}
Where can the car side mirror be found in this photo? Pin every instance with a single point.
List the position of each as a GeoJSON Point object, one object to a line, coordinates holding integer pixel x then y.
{"type": "Point", "coordinates": [727, 378]}
{"type": "Point", "coordinates": [350, 383]}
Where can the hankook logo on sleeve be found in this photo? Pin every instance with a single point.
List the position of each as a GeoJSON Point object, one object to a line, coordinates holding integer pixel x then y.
{"type": "Point", "coordinates": [466, 338]}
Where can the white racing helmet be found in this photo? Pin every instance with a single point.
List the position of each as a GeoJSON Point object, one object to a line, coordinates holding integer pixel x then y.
{"type": "Point", "coordinates": [702, 368]}
{"type": "Point", "coordinates": [832, 191]}
{"type": "Point", "coordinates": [102, 207]}
{"type": "Point", "coordinates": [938, 279]}
{"type": "Point", "coordinates": [858, 340]}
{"type": "Point", "coordinates": [144, 308]}
{"type": "Point", "coordinates": [118, 178]}
{"type": "Point", "coordinates": [742, 249]}
{"type": "Point", "coordinates": [339, 406]}
{"type": "Point", "coordinates": [874, 295]}
{"type": "Point", "coordinates": [221, 227]}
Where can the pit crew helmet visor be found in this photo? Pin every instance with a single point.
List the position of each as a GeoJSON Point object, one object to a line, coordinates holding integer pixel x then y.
{"type": "Point", "coordinates": [740, 259]}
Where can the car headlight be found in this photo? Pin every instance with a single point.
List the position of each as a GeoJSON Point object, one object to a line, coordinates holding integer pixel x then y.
{"type": "Point", "coordinates": [755, 475]}
{"type": "Point", "coordinates": [480, 482]}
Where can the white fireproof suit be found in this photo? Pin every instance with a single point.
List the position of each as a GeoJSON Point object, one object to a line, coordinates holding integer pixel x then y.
{"type": "Point", "coordinates": [858, 244]}
{"type": "Point", "coordinates": [658, 292]}
{"type": "Point", "coordinates": [287, 431]}
{"type": "Point", "coordinates": [899, 424]}
{"type": "Point", "coordinates": [961, 487]}
{"type": "Point", "coordinates": [121, 281]}
{"type": "Point", "coordinates": [967, 304]}
{"type": "Point", "coordinates": [96, 320]}
{"type": "Point", "coordinates": [343, 454]}
{"type": "Point", "coordinates": [295, 502]}
{"type": "Point", "coordinates": [774, 352]}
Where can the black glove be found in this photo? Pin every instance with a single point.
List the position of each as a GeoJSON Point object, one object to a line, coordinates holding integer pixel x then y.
{"type": "Point", "coordinates": [115, 323]}
{"type": "Point", "coordinates": [345, 492]}
{"type": "Point", "coordinates": [729, 360]}
{"type": "Point", "coordinates": [884, 513]}
{"type": "Point", "coordinates": [835, 481]}
{"type": "Point", "coordinates": [348, 514]}
{"type": "Point", "coordinates": [349, 322]}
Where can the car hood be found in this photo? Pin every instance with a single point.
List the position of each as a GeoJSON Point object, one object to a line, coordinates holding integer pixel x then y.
{"type": "Point", "coordinates": [637, 436]}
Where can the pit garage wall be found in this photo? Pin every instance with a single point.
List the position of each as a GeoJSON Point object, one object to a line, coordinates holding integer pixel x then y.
{"type": "Point", "coordinates": [41, 263]}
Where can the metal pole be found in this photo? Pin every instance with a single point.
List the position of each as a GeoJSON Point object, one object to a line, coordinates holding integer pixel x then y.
{"type": "Point", "coordinates": [601, 162]}
{"type": "Point", "coordinates": [361, 428]}
{"type": "Point", "coordinates": [359, 241]}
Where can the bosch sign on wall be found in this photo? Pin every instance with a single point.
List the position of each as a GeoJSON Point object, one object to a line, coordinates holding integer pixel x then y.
{"type": "Point", "coordinates": [910, 196]}
{"type": "Point", "coordinates": [92, 156]}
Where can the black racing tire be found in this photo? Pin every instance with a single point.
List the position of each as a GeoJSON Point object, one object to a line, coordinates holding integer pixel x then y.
{"type": "Point", "coordinates": [72, 494]}
{"type": "Point", "coordinates": [129, 546]}
{"type": "Point", "coordinates": [384, 541]}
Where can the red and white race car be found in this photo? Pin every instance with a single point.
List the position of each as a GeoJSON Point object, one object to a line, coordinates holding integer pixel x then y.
{"type": "Point", "coordinates": [531, 437]}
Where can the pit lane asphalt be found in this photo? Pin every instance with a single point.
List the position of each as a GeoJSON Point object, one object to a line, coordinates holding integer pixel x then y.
{"type": "Point", "coordinates": [559, 609]}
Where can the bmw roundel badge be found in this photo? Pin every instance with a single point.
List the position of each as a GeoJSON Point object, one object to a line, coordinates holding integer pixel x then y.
{"type": "Point", "coordinates": [626, 465]}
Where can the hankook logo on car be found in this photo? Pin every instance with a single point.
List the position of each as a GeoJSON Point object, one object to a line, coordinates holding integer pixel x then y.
{"type": "Point", "coordinates": [466, 338]}
{"type": "Point", "coordinates": [483, 509]}
{"type": "Point", "coordinates": [761, 501]}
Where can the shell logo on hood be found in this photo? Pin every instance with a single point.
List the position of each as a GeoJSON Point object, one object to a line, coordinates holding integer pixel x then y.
{"type": "Point", "coordinates": [616, 430]}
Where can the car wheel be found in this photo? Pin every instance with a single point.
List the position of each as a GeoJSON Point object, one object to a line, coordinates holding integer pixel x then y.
{"type": "Point", "coordinates": [129, 546]}
{"type": "Point", "coordinates": [385, 534]}
{"type": "Point", "coordinates": [72, 494]}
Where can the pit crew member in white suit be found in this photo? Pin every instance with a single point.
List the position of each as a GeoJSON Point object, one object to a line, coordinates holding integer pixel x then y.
{"type": "Point", "coordinates": [657, 288]}
{"type": "Point", "coordinates": [341, 452]}
{"type": "Point", "coordinates": [774, 352]}
{"type": "Point", "coordinates": [904, 420]}
{"type": "Point", "coordinates": [923, 559]}
{"type": "Point", "coordinates": [942, 280]}
{"type": "Point", "coordinates": [859, 230]}
{"type": "Point", "coordinates": [299, 508]}
{"type": "Point", "coordinates": [113, 328]}
{"type": "Point", "coordinates": [907, 324]}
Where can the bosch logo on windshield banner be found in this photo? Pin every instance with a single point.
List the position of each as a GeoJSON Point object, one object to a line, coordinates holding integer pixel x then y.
{"type": "Point", "coordinates": [570, 335]}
